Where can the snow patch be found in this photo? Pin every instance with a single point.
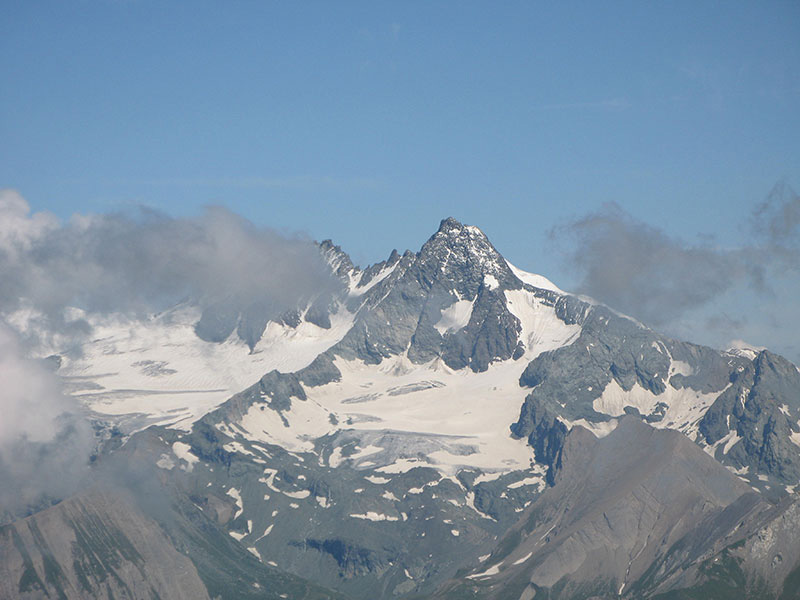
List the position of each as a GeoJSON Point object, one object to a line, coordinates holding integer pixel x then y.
{"type": "Point", "coordinates": [728, 441]}
{"type": "Point", "coordinates": [237, 497]}
{"type": "Point", "coordinates": [542, 330]}
{"type": "Point", "coordinates": [266, 532]}
{"type": "Point", "coordinates": [490, 281]}
{"type": "Point", "coordinates": [298, 495]}
{"type": "Point", "coordinates": [373, 516]}
{"type": "Point", "coordinates": [356, 290]}
{"type": "Point", "coordinates": [537, 480]}
{"type": "Point", "coordinates": [794, 436]}
{"type": "Point", "coordinates": [487, 573]}
{"type": "Point", "coordinates": [402, 465]}
{"type": "Point", "coordinates": [183, 452]}
{"type": "Point", "coordinates": [742, 348]}
{"type": "Point", "coordinates": [536, 281]}
{"type": "Point", "coordinates": [523, 559]}
{"type": "Point", "coordinates": [487, 477]}
{"type": "Point", "coordinates": [453, 414]}
{"type": "Point", "coordinates": [471, 504]}
{"type": "Point", "coordinates": [684, 407]}
{"type": "Point", "coordinates": [679, 367]}
{"type": "Point", "coordinates": [600, 429]}
{"type": "Point", "coordinates": [455, 317]}
{"type": "Point", "coordinates": [376, 479]}
{"type": "Point", "coordinates": [255, 553]}
{"type": "Point", "coordinates": [165, 462]}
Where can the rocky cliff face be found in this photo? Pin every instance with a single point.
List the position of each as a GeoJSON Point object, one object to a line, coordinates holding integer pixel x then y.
{"type": "Point", "coordinates": [403, 303]}
{"type": "Point", "coordinates": [759, 416]}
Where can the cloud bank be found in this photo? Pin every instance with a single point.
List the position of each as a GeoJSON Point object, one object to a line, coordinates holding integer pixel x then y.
{"type": "Point", "coordinates": [45, 441]}
{"type": "Point", "coordinates": [119, 263]}
{"type": "Point", "coordinates": [643, 272]}
{"type": "Point", "coordinates": [107, 264]}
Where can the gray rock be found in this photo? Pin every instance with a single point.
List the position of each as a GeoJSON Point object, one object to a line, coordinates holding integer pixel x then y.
{"type": "Point", "coordinates": [320, 372]}
{"type": "Point", "coordinates": [633, 515]}
{"type": "Point", "coordinates": [399, 313]}
{"type": "Point", "coordinates": [546, 434]}
{"type": "Point", "coordinates": [566, 382]}
{"type": "Point", "coordinates": [96, 545]}
{"type": "Point", "coordinates": [762, 406]}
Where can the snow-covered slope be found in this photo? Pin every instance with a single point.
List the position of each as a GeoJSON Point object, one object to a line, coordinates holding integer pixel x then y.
{"type": "Point", "coordinates": [405, 414]}
{"type": "Point", "coordinates": [158, 370]}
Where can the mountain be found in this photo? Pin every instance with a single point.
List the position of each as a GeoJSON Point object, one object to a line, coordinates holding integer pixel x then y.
{"type": "Point", "coordinates": [99, 544]}
{"type": "Point", "coordinates": [440, 424]}
{"type": "Point", "coordinates": [641, 513]}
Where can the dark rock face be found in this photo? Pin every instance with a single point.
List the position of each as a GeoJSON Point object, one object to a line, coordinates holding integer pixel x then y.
{"type": "Point", "coordinates": [546, 434]}
{"type": "Point", "coordinates": [320, 372]}
{"type": "Point", "coordinates": [280, 389]}
{"type": "Point", "coordinates": [491, 334]}
{"type": "Point", "coordinates": [253, 321]}
{"type": "Point", "coordinates": [337, 258]}
{"type": "Point", "coordinates": [275, 389]}
{"type": "Point", "coordinates": [400, 312]}
{"type": "Point", "coordinates": [368, 533]}
{"type": "Point", "coordinates": [613, 348]}
{"type": "Point", "coordinates": [248, 319]}
{"type": "Point", "coordinates": [353, 560]}
{"type": "Point", "coordinates": [319, 313]}
{"type": "Point", "coordinates": [711, 369]}
{"type": "Point", "coordinates": [762, 405]}
{"type": "Point", "coordinates": [399, 303]}
{"type": "Point", "coordinates": [569, 379]}
{"type": "Point", "coordinates": [758, 400]}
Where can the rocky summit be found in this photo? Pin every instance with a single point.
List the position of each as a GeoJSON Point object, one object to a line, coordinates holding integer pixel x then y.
{"type": "Point", "coordinates": [441, 424]}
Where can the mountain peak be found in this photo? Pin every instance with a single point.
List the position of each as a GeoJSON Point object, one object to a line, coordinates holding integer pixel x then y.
{"type": "Point", "coordinates": [458, 249]}
{"type": "Point", "coordinates": [454, 227]}
{"type": "Point", "coordinates": [450, 224]}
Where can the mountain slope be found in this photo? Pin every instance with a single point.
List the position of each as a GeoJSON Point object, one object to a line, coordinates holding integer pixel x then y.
{"type": "Point", "coordinates": [637, 513]}
{"type": "Point", "coordinates": [94, 546]}
{"type": "Point", "coordinates": [101, 544]}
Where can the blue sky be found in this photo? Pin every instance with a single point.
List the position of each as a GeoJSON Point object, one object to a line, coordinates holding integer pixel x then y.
{"type": "Point", "coordinates": [368, 122]}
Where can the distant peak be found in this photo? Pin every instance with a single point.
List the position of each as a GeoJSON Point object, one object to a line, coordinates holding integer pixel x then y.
{"type": "Point", "coordinates": [453, 228]}
{"type": "Point", "coordinates": [450, 224]}
{"type": "Point", "coordinates": [337, 258]}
